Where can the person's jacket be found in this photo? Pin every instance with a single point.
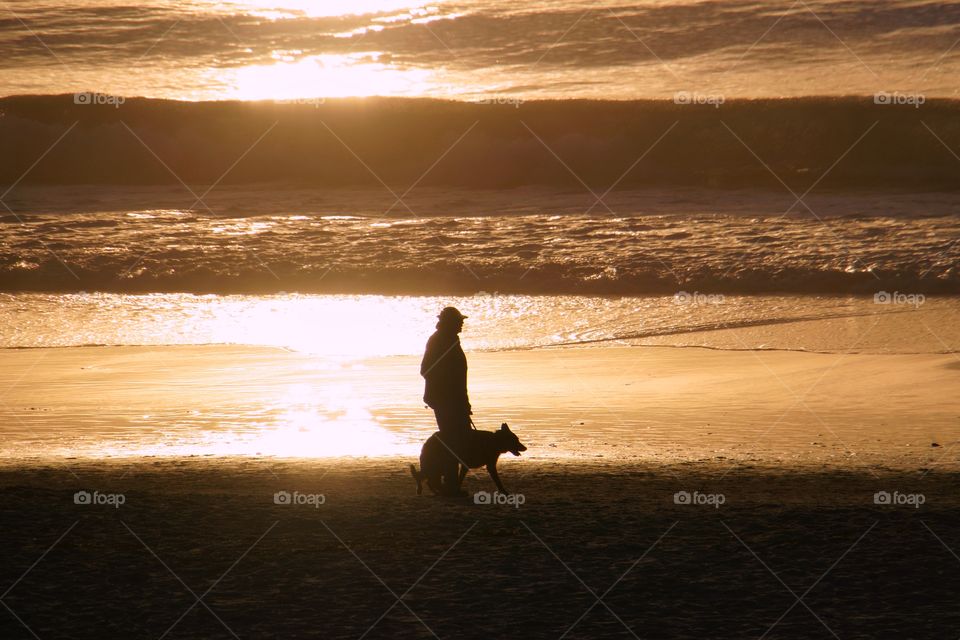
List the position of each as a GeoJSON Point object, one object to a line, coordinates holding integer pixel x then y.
{"type": "Point", "coordinates": [444, 368]}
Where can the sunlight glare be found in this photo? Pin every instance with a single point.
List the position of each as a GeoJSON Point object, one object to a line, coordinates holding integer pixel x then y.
{"type": "Point", "coordinates": [279, 9]}
{"type": "Point", "coordinates": [332, 76]}
{"type": "Point", "coordinates": [322, 422]}
{"type": "Point", "coordinates": [341, 329]}
{"type": "Point", "coordinates": [308, 422]}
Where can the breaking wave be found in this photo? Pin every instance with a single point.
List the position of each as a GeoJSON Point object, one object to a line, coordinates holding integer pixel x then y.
{"type": "Point", "coordinates": [796, 143]}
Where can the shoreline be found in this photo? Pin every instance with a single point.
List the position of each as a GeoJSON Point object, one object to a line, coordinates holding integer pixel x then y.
{"type": "Point", "coordinates": [626, 404]}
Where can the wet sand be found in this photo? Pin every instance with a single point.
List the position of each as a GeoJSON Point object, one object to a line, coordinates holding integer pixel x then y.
{"type": "Point", "coordinates": [628, 404]}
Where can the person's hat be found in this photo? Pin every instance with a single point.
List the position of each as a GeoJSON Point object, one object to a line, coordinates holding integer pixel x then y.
{"type": "Point", "coordinates": [450, 313]}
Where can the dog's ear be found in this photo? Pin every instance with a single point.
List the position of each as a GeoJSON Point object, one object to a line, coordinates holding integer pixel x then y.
{"type": "Point", "coordinates": [504, 427]}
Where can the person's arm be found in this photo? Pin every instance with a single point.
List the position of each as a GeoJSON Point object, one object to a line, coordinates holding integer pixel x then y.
{"type": "Point", "coordinates": [429, 363]}
{"type": "Point", "coordinates": [425, 362]}
{"type": "Point", "coordinates": [463, 374]}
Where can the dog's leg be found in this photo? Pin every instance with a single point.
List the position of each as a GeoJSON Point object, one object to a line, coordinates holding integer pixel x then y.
{"type": "Point", "coordinates": [463, 474]}
{"type": "Point", "coordinates": [492, 470]}
{"type": "Point", "coordinates": [418, 477]}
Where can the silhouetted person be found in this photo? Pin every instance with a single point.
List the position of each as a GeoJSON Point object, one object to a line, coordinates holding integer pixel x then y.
{"type": "Point", "coordinates": [444, 369]}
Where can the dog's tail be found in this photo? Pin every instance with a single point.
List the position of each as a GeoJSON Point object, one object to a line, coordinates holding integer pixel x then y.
{"type": "Point", "coordinates": [418, 477]}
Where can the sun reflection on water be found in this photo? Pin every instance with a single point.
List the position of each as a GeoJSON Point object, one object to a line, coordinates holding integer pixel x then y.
{"type": "Point", "coordinates": [294, 74]}
{"type": "Point", "coordinates": [279, 9]}
{"type": "Point", "coordinates": [316, 422]}
{"type": "Point", "coordinates": [341, 329]}
{"type": "Point", "coordinates": [306, 421]}
{"type": "Point", "coordinates": [327, 75]}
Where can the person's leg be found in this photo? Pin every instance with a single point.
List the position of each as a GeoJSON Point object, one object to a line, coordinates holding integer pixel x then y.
{"type": "Point", "coordinates": [460, 432]}
{"type": "Point", "coordinates": [450, 435]}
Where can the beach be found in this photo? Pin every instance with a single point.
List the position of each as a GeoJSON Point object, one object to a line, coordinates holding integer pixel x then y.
{"type": "Point", "coordinates": [210, 529]}
{"type": "Point", "coordinates": [696, 492]}
{"type": "Point", "coordinates": [701, 259]}
{"type": "Point", "coordinates": [628, 404]}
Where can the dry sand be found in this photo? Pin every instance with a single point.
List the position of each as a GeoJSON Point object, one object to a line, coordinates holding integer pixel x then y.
{"type": "Point", "coordinates": [465, 570]}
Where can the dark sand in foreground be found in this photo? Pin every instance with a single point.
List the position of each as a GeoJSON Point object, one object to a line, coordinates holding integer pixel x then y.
{"type": "Point", "coordinates": [790, 554]}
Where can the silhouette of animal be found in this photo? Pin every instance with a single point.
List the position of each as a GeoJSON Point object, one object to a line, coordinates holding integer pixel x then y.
{"type": "Point", "coordinates": [480, 448]}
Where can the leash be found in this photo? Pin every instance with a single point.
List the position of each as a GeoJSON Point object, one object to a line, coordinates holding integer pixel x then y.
{"type": "Point", "coordinates": [472, 424]}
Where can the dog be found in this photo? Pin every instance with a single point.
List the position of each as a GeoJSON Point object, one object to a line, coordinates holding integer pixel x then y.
{"type": "Point", "coordinates": [481, 448]}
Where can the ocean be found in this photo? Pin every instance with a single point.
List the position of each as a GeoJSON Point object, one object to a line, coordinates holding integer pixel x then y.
{"type": "Point", "coordinates": [480, 49]}
{"type": "Point", "coordinates": [415, 196]}
{"type": "Point", "coordinates": [451, 148]}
